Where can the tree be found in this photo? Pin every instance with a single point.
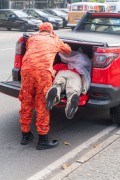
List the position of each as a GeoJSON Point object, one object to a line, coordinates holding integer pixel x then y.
{"type": "Point", "coordinates": [101, 1]}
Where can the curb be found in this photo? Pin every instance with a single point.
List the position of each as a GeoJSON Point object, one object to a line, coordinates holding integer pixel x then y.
{"type": "Point", "coordinates": [85, 158]}
{"type": "Point", "coordinates": [52, 169]}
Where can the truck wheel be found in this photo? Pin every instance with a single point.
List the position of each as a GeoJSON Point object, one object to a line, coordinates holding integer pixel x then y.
{"type": "Point", "coordinates": [23, 28]}
{"type": "Point", "coordinates": [72, 28]}
{"type": "Point", "coordinates": [55, 28]}
{"type": "Point", "coordinates": [115, 115]}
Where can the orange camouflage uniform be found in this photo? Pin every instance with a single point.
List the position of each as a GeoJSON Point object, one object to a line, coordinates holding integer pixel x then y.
{"type": "Point", "coordinates": [36, 77]}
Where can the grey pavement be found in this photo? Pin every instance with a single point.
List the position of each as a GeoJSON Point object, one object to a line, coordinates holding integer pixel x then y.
{"type": "Point", "coordinates": [101, 163]}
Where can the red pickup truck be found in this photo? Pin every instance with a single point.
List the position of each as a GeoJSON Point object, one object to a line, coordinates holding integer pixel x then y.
{"type": "Point", "coordinates": [98, 34]}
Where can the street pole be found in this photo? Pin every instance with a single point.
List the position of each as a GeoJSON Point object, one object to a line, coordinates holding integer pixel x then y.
{"type": "Point", "coordinates": [65, 3]}
{"type": "Point", "coordinates": [33, 3]}
{"type": "Point", "coordinates": [0, 4]}
{"type": "Point", "coordinates": [10, 4]}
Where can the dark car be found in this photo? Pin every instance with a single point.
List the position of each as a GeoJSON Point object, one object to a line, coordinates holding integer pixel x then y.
{"type": "Point", "coordinates": [16, 19]}
{"type": "Point", "coordinates": [56, 12]}
{"type": "Point", "coordinates": [55, 21]}
{"type": "Point", "coordinates": [64, 10]}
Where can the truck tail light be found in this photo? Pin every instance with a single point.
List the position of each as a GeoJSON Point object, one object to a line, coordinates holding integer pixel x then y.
{"type": "Point", "coordinates": [102, 60]}
{"type": "Point", "coordinates": [18, 61]}
{"type": "Point", "coordinates": [21, 46]}
{"type": "Point", "coordinates": [20, 51]}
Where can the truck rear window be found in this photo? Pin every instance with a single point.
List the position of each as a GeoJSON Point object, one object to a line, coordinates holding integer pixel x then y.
{"type": "Point", "coordinates": [101, 24]}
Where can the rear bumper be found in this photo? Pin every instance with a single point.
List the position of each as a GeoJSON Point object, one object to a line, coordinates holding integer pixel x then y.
{"type": "Point", "coordinates": [71, 25]}
{"type": "Point", "coordinates": [101, 96]}
{"type": "Point", "coordinates": [57, 24]}
{"type": "Point", "coordinates": [32, 27]}
{"type": "Point", "coordinates": [11, 88]}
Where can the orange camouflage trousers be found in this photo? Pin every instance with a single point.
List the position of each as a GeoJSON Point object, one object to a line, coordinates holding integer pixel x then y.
{"type": "Point", "coordinates": [35, 84]}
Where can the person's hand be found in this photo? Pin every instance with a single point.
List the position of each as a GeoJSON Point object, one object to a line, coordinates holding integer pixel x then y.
{"type": "Point", "coordinates": [55, 35]}
{"type": "Point", "coordinates": [53, 73]}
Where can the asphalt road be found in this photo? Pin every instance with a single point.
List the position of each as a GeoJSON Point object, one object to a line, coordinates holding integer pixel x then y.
{"type": "Point", "coordinates": [21, 162]}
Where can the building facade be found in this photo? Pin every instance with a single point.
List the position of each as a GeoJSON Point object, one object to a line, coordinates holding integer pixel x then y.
{"type": "Point", "coordinates": [20, 4]}
{"type": "Point", "coordinates": [4, 4]}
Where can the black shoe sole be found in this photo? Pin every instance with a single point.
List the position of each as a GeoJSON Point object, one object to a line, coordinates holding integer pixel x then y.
{"type": "Point", "coordinates": [50, 98]}
{"type": "Point", "coordinates": [73, 106]}
{"type": "Point", "coordinates": [45, 147]}
{"type": "Point", "coordinates": [41, 147]}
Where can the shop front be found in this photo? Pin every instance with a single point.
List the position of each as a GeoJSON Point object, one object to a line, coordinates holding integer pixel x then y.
{"type": "Point", "coordinates": [21, 4]}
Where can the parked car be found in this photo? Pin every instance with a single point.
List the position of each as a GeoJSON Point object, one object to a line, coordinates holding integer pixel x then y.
{"type": "Point", "coordinates": [65, 10]}
{"type": "Point", "coordinates": [55, 21]}
{"type": "Point", "coordinates": [16, 19]}
{"type": "Point", "coordinates": [56, 12]}
{"type": "Point", "coordinates": [98, 35]}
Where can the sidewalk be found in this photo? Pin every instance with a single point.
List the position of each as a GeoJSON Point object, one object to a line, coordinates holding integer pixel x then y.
{"type": "Point", "coordinates": [101, 163]}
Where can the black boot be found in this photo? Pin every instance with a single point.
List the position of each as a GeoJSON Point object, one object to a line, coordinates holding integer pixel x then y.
{"type": "Point", "coordinates": [26, 137]}
{"type": "Point", "coordinates": [50, 99]}
{"type": "Point", "coordinates": [45, 143]}
{"type": "Point", "coordinates": [72, 107]}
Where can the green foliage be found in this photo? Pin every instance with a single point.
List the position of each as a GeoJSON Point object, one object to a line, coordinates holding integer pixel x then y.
{"type": "Point", "coordinates": [100, 1]}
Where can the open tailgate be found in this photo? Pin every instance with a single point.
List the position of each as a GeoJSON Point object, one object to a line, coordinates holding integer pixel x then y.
{"type": "Point", "coordinates": [10, 88]}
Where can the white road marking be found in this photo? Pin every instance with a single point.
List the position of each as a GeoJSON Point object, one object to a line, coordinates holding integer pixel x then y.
{"type": "Point", "coordinates": [48, 170]}
{"type": "Point", "coordinates": [6, 49]}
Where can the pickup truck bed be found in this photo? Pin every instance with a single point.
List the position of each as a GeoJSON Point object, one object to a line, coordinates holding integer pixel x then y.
{"type": "Point", "coordinates": [109, 40]}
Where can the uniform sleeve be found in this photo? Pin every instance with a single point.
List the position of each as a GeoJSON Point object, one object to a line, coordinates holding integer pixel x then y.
{"type": "Point", "coordinates": [64, 48]}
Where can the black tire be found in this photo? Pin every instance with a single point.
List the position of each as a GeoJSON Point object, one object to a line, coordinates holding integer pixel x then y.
{"type": "Point", "coordinates": [115, 115]}
{"type": "Point", "coordinates": [23, 28]}
{"type": "Point", "coordinates": [55, 28]}
{"type": "Point", "coordinates": [36, 29]}
{"type": "Point", "coordinates": [72, 28]}
{"type": "Point", "coordinates": [9, 29]}
{"type": "Point", "coordinates": [63, 25]}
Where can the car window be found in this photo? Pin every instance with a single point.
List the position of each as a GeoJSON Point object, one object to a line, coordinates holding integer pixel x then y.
{"type": "Point", "coordinates": [21, 14]}
{"type": "Point", "coordinates": [12, 16]}
{"type": "Point", "coordinates": [26, 11]}
{"type": "Point", "coordinates": [51, 12]}
{"type": "Point", "coordinates": [6, 14]}
{"type": "Point", "coordinates": [42, 13]}
{"type": "Point", "coordinates": [32, 13]}
{"type": "Point", "coordinates": [102, 24]}
{"type": "Point", "coordinates": [59, 13]}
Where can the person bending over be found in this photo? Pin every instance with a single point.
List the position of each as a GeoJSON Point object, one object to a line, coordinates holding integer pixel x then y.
{"type": "Point", "coordinates": [36, 79]}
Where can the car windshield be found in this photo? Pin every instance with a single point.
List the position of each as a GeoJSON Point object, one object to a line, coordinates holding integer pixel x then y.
{"type": "Point", "coordinates": [21, 14]}
{"type": "Point", "coordinates": [59, 13]}
{"type": "Point", "coordinates": [102, 24]}
{"type": "Point", "coordinates": [64, 11]}
{"type": "Point", "coordinates": [42, 13]}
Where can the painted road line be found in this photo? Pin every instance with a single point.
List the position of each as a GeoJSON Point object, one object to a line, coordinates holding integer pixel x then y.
{"type": "Point", "coordinates": [49, 169]}
{"type": "Point", "coordinates": [6, 49]}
